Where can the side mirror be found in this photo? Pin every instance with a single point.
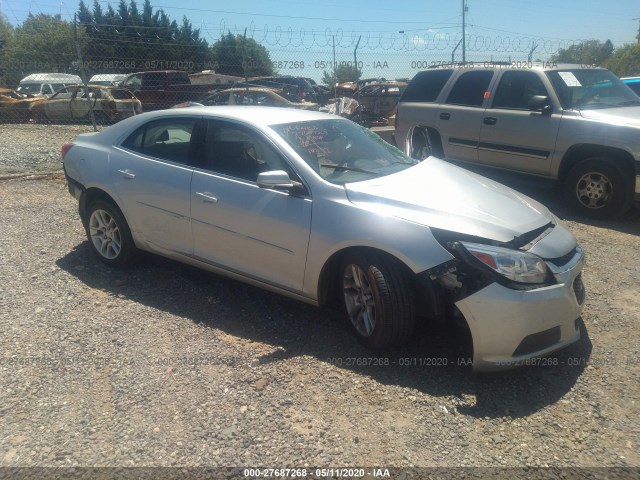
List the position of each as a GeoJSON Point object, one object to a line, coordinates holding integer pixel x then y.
{"type": "Point", "coordinates": [540, 103]}
{"type": "Point", "coordinates": [279, 180]}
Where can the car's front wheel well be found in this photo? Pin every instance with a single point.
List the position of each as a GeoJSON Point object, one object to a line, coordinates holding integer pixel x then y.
{"type": "Point", "coordinates": [329, 294]}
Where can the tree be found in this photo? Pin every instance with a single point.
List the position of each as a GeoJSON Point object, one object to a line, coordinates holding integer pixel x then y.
{"type": "Point", "coordinates": [625, 61]}
{"type": "Point", "coordinates": [127, 39]}
{"type": "Point", "coordinates": [237, 55]}
{"type": "Point", "coordinates": [43, 43]}
{"type": "Point", "coordinates": [342, 73]}
{"type": "Point", "coordinates": [590, 52]}
{"type": "Point", "coordinates": [6, 32]}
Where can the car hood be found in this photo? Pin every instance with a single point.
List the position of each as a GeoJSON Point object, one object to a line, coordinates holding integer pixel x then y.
{"type": "Point", "coordinates": [437, 194]}
{"type": "Point", "coordinates": [616, 116]}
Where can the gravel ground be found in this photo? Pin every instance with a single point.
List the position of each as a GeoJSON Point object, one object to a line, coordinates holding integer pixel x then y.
{"type": "Point", "coordinates": [165, 365]}
{"type": "Point", "coordinates": [34, 148]}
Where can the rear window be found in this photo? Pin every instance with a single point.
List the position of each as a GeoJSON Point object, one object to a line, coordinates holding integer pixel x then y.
{"type": "Point", "coordinates": [426, 86]}
{"type": "Point", "coordinates": [470, 88]}
{"type": "Point", "coordinates": [168, 138]}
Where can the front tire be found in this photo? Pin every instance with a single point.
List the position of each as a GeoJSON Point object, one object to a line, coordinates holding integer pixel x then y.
{"type": "Point", "coordinates": [379, 301]}
{"type": "Point", "coordinates": [109, 234]}
{"type": "Point", "coordinates": [597, 188]}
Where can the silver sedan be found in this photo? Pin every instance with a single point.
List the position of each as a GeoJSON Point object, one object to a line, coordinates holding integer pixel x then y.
{"type": "Point", "coordinates": [317, 208]}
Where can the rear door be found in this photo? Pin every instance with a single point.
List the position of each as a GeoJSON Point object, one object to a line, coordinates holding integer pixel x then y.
{"type": "Point", "coordinates": [80, 104]}
{"type": "Point", "coordinates": [513, 136]}
{"type": "Point", "coordinates": [58, 107]}
{"type": "Point", "coordinates": [258, 232]}
{"type": "Point", "coordinates": [151, 172]}
{"type": "Point", "coordinates": [460, 116]}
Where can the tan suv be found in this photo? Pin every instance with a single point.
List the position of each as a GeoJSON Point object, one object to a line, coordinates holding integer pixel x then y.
{"type": "Point", "coordinates": [576, 124]}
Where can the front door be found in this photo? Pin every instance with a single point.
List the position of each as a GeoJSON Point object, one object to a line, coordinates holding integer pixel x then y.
{"type": "Point", "coordinates": [258, 232]}
{"type": "Point", "coordinates": [512, 136]}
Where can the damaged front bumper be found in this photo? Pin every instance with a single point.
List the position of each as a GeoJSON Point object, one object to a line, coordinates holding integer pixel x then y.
{"type": "Point", "coordinates": [511, 327]}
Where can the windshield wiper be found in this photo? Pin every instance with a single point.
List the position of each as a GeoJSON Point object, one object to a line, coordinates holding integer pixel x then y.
{"type": "Point", "coordinates": [341, 168]}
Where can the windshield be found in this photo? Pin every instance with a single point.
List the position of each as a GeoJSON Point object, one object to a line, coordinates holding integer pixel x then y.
{"type": "Point", "coordinates": [341, 151]}
{"type": "Point", "coordinates": [591, 89]}
{"type": "Point", "coordinates": [31, 88]}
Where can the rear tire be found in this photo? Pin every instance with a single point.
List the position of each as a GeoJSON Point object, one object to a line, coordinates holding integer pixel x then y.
{"type": "Point", "coordinates": [109, 234]}
{"type": "Point", "coordinates": [597, 188]}
{"type": "Point", "coordinates": [421, 145]}
{"type": "Point", "coordinates": [379, 301]}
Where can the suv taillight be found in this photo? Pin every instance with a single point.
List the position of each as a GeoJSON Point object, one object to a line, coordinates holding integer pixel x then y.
{"type": "Point", "coordinates": [65, 149]}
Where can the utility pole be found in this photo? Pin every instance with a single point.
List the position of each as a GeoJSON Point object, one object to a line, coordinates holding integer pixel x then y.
{"type": "Point", "coordinates": [464, 42]}
{"type": "Point", "coordinates": [638, 36]}
{"type": "Point", "coordinates": [355, 56]}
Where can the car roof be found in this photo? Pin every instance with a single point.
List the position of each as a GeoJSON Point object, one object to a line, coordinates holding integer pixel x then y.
{"type": "Point", "coordinates": [247, 89]}
{"type": "Point", "coordinates": [96, 86]}
{"type": "Point", "coordinates": [50, 77]}
{"type": "Point", "coordinates": [496, 65]}
{"type": "Point", "coordinates": [108, 76]}
{"type": "Point", "coordinates": [257, 115]}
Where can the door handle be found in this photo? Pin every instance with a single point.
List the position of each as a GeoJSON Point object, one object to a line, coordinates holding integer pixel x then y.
{"type": "Point", "coordinates": [127, 174]}
{"type": "Point", "coordinates": [445, 116]}
{"type": "Point", "coordinates": [490, 120]}
{"type": "Point", "coordinates": [207, 197]}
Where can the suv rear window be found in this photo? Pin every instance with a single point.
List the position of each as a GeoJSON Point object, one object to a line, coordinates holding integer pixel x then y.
{"type": "Point", "coordinates": [426, 86]}
{"type": "Point", "coordinates": [469, 89]}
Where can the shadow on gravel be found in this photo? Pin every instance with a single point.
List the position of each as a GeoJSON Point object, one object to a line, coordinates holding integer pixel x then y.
{"type": "Point", "coordinates": [434, 363]}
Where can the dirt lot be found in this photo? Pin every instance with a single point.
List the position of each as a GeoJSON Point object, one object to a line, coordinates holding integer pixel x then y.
{"type": "Point", "coordinates": [165, 365]}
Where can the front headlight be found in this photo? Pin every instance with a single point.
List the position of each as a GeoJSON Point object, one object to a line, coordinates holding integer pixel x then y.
{"type": "Point", "coordinates": [513, 264]}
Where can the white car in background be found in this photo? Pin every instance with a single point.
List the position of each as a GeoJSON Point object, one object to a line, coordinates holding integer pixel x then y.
{"type": "Point", "coordinates": [46, 84]}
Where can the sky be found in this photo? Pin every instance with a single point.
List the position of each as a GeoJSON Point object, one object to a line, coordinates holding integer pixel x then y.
{"type": "Point", "coordinates": [396, 38]}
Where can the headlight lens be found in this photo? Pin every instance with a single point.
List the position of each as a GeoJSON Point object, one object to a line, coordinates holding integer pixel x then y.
{"type": "Point", "coordinates": [513, 264]}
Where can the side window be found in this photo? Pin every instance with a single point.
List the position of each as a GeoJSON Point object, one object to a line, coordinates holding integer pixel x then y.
{"type": "Point", "coordinates": [63, 93]}
{"type": "Point", "coordinates": [134, 82]}
{"type": "Point", "coordinates": [237, 151]}
{"type": "Point", "coordinates": [46, 89]}
{"type": "Point", "coordinates": [260, 98]}
{"type": "Point", "coordinates": [221, 98]}
{"type": "Point", "coordinates": [241, 98]}
{"type": "Point", "coordinates": [168, 139]}
{"type": "Point", "coordinates": [516, 88]}
{"type": "Point", "coordinates": [470, 88]}
{"type": "Point", "coordinates": [426, 86]}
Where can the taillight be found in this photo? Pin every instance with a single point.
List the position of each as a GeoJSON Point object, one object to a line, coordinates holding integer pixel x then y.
{"type": "Point", "coordinates": [65, 149]}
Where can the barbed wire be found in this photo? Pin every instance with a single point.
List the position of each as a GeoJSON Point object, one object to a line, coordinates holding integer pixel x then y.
{"type": "Point", "coordinates": [436, 39]}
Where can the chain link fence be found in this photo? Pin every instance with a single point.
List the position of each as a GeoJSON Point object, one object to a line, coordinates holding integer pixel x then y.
{"type": "Point", "coordinates": [103, 72]}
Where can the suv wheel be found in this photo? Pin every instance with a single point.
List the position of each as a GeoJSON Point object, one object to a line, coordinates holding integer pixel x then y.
{"type": "Point", "coordinates": [421, 146]}
{"type": "Point", "coordinates": [596, 188]}
{"type": "Point", "coordinates": [379, 301]}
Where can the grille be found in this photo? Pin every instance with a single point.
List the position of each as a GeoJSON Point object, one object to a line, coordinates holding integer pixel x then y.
{"type": "Point", "coordinates": [578, 289]}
